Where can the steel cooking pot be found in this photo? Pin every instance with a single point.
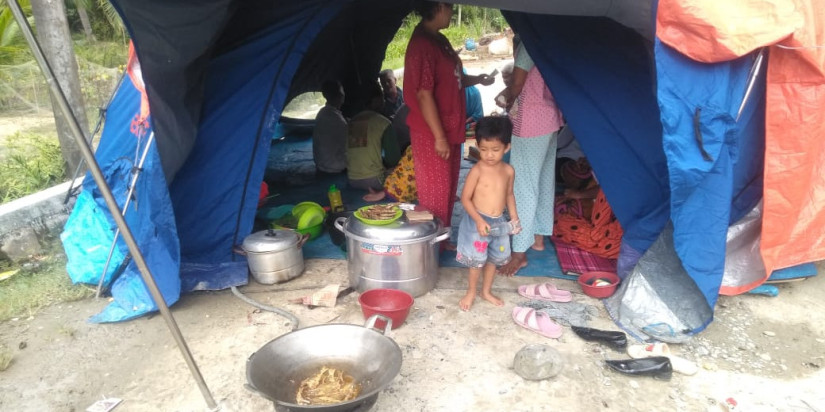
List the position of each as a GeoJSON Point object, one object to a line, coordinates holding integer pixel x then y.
{"type": "Point", "coordinates": [276, 370]}
{"type": "Point", "coordinates": [401, 255]}
{"type": "Point", "coordinates": [274, 255]}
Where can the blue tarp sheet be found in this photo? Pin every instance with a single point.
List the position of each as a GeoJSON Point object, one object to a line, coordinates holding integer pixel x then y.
{"type": "Point", "coordinates": [219, 183]}
{"type": "Point", "coordinates": [635, 122]}
{"type": "Point", "coordinates": [631, 103]}
{"type": "Point", "coordinates": [149, 216]}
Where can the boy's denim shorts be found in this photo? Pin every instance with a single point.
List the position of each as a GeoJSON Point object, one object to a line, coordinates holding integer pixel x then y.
{"type": "Point", "coordinates": [475, 250]}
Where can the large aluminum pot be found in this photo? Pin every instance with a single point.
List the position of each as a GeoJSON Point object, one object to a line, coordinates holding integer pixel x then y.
{"type": "Point", "coordinates": [373, 359]}
{"type": "Point", "coordinates": [273, 255]}
{"type": "Point", "coordinates": [401, 255]}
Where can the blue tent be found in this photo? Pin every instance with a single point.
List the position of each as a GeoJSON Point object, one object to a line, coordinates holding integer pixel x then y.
{"type": "Point", "coordinates": [659, 129]}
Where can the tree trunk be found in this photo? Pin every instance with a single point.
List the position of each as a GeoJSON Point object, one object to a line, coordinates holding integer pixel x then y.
{"type": "Point", "coordinates": [84, 20]}
{"type": "Point", "coordinates": [53, 35]}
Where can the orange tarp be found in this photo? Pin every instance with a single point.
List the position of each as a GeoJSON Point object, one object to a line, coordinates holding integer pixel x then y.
{"type": "Point", "coordinates": [793, 223]}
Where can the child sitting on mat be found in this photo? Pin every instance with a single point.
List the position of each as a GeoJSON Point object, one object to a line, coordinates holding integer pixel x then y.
{"type": "Point", "coordinates": [482, 245]}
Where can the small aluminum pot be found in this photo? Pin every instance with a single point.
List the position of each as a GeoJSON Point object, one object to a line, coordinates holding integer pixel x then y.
{"type": "Point", "coordinates": [274, 256]}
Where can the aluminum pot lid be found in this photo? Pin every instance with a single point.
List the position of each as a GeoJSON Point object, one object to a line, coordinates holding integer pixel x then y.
{"type": "Point", "coordinates": [400, 230]}
{"type": "Point", "coordinates": [270, 240]}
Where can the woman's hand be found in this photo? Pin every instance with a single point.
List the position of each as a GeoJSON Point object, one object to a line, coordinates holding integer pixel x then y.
{"type": "Point", "coordinates": [486, 79]}
{"type": "Point", "coordinates": [442, 148]}
{"type": "Point", "coordinates": [504, 100]}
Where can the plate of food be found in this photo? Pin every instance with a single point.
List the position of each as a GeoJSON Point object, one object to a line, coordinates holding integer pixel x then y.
{"type": "Point", "coordinates": [379, 214]}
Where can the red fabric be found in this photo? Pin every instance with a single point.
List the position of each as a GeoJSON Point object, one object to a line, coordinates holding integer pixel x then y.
{"type": "Point", "coordinates": [575, 260]}
{"type": "Point", "coordinates": [436, 179]}
{"type": "Point", "coordinates": [599, 233]}
{"type": "Point", "coordinates": [264, 194]}
{"type": "Point", "coordinates": [432, 64]}
{"type": "Point", "coordinates": [134, 72]}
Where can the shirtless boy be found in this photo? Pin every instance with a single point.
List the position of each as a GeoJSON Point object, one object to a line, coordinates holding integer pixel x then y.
{"type": "Point", "coordinates": [487, 191]}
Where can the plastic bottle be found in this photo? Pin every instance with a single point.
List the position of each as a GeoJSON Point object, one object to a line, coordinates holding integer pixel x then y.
{"type": "Point", "coordinates": [335, 202]}
{"type": "Point", "coordinates": [501, 229]}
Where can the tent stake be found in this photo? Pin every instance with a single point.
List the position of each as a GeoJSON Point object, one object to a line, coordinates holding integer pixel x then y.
{"type": "Point", "coordinates": [97, 174]}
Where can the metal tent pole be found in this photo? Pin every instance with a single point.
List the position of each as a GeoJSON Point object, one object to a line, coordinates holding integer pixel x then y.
{"type": "Point", "coordinates": [94, 168]}
{"type": "Point", "coordinates": [135, 174]}
{"type": "Point", "coordinates": [100, 116]}
{"type": "Point", "coordinates": [754, 72]}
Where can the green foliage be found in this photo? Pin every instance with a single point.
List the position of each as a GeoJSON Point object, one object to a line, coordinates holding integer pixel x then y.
{"type": "Point", "coordinates": [475, 22]}
{"type": "Point", "coordinates": [111, 54]}
{"type": "Point", "coordinates": [29, 163]}
{"type": "Point", "coordinates": [106, 23]}
{"type": "Point", "coordinates": [114, 28]}
{"type": "Point", "coordinates": [394, 56]}
{"type": "Point", "coordinates": [13, 48]}
{"type": "Point", "coordinates": [38, 284]}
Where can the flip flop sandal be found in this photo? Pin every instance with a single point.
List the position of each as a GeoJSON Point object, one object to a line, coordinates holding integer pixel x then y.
{"type": "Point", "coordinates": [538, 322]}
{"type": "Point", "coordinates": [545, 291]}
{"type": "Point", "coordinates": [680, 364]}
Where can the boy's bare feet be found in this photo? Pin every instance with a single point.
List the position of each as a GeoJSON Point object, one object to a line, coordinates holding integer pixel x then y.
{"type": "Point", "coordinates": [518, 260]}
{"type": "Point", "coordinates": [538, 244]}
{"type": "Point", "coordinates": [467, 301]}
{"type": "Point", "coordinates": [374, 196]}
{"type": "Point", "coordinates": [492, 299]}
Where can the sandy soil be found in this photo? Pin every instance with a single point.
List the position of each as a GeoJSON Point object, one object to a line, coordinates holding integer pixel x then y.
{"type": "Point", "coordinates": [11, 124]}
{"type": "Point", "coordinates": [765, 353]}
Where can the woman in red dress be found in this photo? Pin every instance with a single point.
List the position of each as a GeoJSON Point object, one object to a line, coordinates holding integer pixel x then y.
{"type": "Point", "coordinates": [434, 91]}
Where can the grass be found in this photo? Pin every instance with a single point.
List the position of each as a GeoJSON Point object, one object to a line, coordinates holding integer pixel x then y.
{"type": "Point", "coordinates": [474, 27]}
{"type": "Point", "coordinates": [30, 162]}
{"type": "Point", "coordinates": [38, 284]}
{"type": "Point", "coordinates": [103, 53]}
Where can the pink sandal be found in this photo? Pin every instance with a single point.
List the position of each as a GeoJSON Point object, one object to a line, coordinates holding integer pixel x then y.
{"type": "Point", "coordinates": [545, 291]}
{"type": "Point", "coordinates": [538, 322]}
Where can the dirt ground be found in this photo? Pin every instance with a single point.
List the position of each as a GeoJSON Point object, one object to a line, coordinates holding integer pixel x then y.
{"type": "Point", "coordinates": [765, 353]}
{"type": "Point", "coordinates": [21, 122]}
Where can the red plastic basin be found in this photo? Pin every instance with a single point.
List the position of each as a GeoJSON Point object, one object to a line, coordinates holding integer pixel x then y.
{"type": "Point", "coordinates": [587, 280]}
{"type": "Point", "coordinates": [392, 303]}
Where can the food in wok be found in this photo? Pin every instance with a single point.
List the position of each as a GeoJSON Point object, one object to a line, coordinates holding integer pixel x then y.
{"type": "Point", "coordinates": [328, 386]}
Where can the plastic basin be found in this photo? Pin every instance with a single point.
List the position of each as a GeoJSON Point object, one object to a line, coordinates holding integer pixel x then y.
{"type": "Point", "coordinates": [589, 283]}
{"type": "Point", "coordinates": [392, 303]}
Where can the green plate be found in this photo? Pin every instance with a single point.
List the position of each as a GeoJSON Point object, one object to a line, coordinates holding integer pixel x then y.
{"type": "Point", "coordinates": [357, 214]}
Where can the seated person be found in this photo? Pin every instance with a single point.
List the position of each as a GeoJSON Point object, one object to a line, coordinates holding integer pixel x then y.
{"type": "Point", "coordinates": [329, 138]}
{"type": "Point", "coordinates": [400, 183]}
{"type": "Point", "coordinates": [583, 218]}
{"type": "Point", "coordinates": [399, 126]}
{"type": "Point", "coordinates": [474, 109]}
{"type": "Point", "coordinates": [507, 74]}
{"type": "Point", "coordinates": [393, 95]}
{"type": "Point", "coordinates": [369, 135]}
{"type": "Point", "coordinates": [567, 150]}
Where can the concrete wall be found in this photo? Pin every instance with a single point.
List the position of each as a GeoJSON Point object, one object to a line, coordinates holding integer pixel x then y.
{"type": "Point", "coordinates": [31, 225]}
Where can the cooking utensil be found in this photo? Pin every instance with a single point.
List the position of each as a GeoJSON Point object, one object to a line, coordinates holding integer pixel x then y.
{"type": "Point", "coordinates": [273, 255]}
{"type": "Point", "coordinates": [337, 236]}
{"type": "Point", "coordinates": [367, 354]}
{"type": "Point", "coordinates": [590, 287]}
{"type": "Point", "coordinates": [392, 303]}
{"type": "Point", "coordinates": [400, 255]}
